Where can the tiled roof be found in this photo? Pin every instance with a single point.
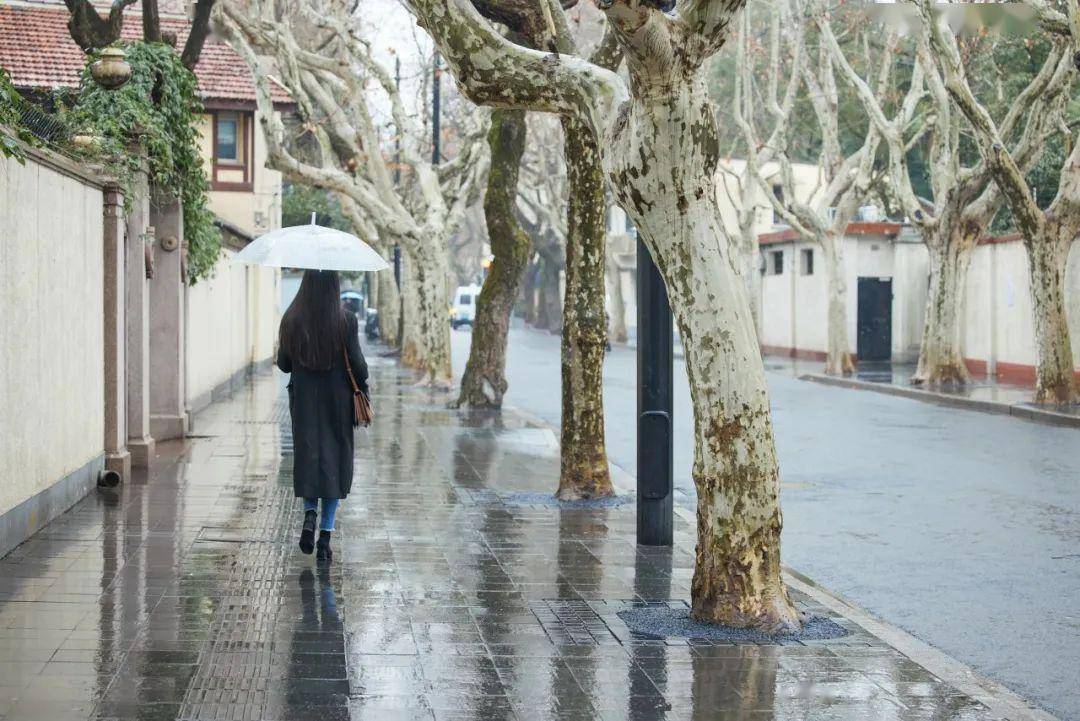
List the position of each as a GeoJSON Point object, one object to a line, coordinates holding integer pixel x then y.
{"type": "Point", "coordinates": [36, 48]}
{"type": "Point", "coordinates": [875, 228]}
{"type": "Point", "coordinates": [856, 228]}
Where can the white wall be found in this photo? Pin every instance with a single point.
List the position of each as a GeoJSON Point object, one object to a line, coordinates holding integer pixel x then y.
{"type": "Point", "coordinates": [232, 321]}
{"type": "Point", "coordinates": [795, 306]}
{"type": "Point", "coordinates": [777, 301]}
{"type": "Point", "coordinates": [52, 397]}
{"type": "Point", "coordinates": [911, 281]}
{"type": "Point", "coordinates": [998, 326]}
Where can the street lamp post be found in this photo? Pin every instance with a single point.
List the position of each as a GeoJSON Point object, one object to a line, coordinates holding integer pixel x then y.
{"type": "Point", "coordinates": [655, 472]}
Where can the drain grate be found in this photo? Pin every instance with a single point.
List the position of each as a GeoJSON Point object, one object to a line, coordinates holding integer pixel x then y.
{"type": "Point", "coordinates": [572, 622]}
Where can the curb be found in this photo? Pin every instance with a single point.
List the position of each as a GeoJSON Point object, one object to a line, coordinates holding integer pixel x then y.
{"type": "Point", "coordinates": [998, 698]}
{"type": "Point", "coordinates": [1026, 412]}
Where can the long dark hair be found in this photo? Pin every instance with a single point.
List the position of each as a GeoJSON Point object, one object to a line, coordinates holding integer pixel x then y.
{"type": "Point", "coordinates": [313, 328]}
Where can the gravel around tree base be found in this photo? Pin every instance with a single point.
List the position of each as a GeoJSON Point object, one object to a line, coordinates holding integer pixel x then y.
{"type": "Point", "coordinates": [662, 621]}
{"type": "Point", "coordinates": [548, 500]}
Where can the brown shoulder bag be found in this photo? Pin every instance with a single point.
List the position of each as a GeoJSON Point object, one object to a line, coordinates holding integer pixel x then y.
{"type": "Point", "coordinates": [362, 414]}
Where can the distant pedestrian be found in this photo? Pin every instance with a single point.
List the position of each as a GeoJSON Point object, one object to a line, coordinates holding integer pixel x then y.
{"type": "Point", "coordinates": [316, 340]}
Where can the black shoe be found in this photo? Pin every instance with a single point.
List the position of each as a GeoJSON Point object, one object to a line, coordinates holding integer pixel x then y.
{"type": "Point", "coordinates": [307, 536]}
{"type": "Point", "coordinates": [324, 553]}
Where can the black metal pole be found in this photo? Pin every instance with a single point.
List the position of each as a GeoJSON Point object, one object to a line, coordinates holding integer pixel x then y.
{"type": "Point", "coordinates": [655, 470]}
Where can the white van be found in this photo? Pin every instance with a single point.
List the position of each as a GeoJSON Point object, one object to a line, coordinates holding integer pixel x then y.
{"type": "Point", "coordinates": [463, 311]}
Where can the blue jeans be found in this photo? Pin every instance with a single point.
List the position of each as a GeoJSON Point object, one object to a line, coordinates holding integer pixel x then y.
{"type": "Point", "coordinates": [329, 510]}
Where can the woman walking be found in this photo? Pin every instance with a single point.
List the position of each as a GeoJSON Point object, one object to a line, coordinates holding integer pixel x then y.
{"type": "Point", "coordinates": [319, 346]}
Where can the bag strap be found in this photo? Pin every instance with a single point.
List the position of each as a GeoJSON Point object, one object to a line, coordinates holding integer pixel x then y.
{"type": "Point", "coordinates": [348, 366]}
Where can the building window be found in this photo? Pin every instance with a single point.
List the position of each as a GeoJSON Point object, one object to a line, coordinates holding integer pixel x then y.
{"type": "Point", "coordinates": [226, 145]}
{"type": "Point", "coordinates": [806, 261]}
{"type": "Point", "coordinates": [776, 262]}
{"type": "Point", "coordinates": [233, 148]}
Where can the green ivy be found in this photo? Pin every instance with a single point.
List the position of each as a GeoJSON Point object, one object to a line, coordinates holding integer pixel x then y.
{"type": "Point", "coordinates": [12, 135]}
{"type": "Point", "coordinates": [160, 107]}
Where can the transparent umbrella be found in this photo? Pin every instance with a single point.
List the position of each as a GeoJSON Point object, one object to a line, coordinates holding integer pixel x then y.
{"type": "Point", "coordinates": [312, 247]}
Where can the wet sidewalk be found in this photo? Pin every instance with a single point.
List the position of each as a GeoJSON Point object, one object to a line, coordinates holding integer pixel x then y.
{"type": "Point", "coordinates": [981, 394]}
{"type": "Point", "coordinates": [459, 590]}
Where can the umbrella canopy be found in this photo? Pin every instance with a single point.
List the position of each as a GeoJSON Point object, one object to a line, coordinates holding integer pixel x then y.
{"type": "Point", "coordinates": [312, 247]}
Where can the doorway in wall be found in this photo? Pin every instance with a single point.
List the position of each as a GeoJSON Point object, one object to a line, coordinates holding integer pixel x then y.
{"type": "Point", "coordinates": [874, 323]}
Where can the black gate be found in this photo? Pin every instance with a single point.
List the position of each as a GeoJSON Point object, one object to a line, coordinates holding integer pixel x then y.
{"type": "Point", "coordinates": [875, 319]}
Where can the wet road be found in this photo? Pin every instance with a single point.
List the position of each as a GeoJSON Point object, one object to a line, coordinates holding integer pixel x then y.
{"type": "Point", "coordinates": [962, 528]}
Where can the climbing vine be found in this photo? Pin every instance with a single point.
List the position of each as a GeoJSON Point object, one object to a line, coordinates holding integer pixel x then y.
{"type": "Point", "coordinates": [12, 135]}
{"type": "Point", "coordinates": [160, 108]}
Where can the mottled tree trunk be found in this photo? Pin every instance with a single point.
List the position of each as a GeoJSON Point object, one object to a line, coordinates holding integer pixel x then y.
{"type": "Point", "coordinates": [484, 381]}
{"type": "Point", "coordinates": [527, 303]}
{"type": "Point", "coordinates": [1055, 375]}
{"type": "Point", "coordinates": [752, 281]}
{"type": "Point", "coordinates": [941, 355]}
{"type": "Point", "coordinates": [838, 354]}
{"type": "Point", "coordinates": [549, 313]}
{"type": "Point", "coordinates": [750, 249]}
{"type": "Point", "coordinates": [618, 302]}
{"type": "Point", "coordinates": [431, 270]}
{"type": "Point", "coordinates": [412, 355]}
{"type": "Point", "coordinates": [584, 469]}
{"type": "Point", "coordinates": [662, 163]}
{"type": "Point", "coordinates": [371, 284]}
{"type": "Point", "coordinates": [389, 308]}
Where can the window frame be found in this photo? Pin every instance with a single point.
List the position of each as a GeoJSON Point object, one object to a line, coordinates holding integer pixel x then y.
{"type": "Point", "coordinates": [806, 261]}
{"type": "Point", "coordinates": [245, 150]}
{"type": "Point", "coordinates": [776, 262]}
{"type": "Point", "coordinates": [238, 139]}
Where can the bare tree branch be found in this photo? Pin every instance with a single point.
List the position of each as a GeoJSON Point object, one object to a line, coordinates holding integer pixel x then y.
{"type": "Point", "coordinates": [499, 73]}
{"type": "Point", "coordinates": [89, 30]}
{"type": "Point", "coordinates": [1007, 172]}
{"type": "Point", "coordinates": [200, 29]}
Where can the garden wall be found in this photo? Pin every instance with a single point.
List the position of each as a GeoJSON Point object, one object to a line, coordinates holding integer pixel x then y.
{"type": "Point", "coordinates": [52, 381]}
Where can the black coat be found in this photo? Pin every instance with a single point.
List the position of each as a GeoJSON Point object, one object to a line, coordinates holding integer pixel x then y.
{"type": "Point", "coordinates": [320, 403]}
